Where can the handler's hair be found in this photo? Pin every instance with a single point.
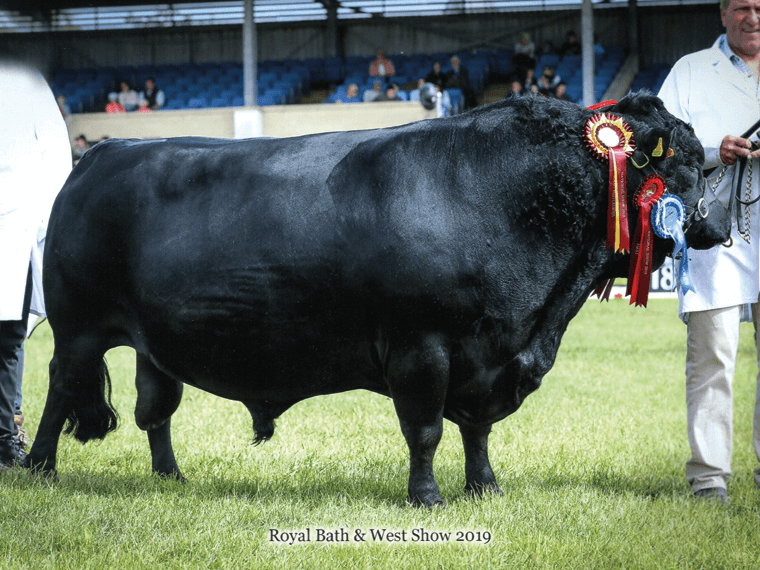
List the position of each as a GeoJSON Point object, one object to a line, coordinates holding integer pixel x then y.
{"type": "Point", "coordinates": [724, 4]}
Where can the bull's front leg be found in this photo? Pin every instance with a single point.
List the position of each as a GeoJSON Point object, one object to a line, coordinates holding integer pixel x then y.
{"type": "Point", "coordinates": [418, 379]}
{"type": "Point", "coordinates": [479, 477]}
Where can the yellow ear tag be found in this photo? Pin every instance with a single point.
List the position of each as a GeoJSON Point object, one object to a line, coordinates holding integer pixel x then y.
{"type": "Point", "coordinates": [657, 152]}
{"type": "Point", "coordinates": [670, 153]}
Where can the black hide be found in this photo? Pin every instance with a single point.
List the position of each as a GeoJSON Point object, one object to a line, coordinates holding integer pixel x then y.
{"type": "Point", "coordinates": [437, 263]}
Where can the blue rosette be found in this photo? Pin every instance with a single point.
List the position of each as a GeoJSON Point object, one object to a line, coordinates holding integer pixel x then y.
{"type": "Point", "coordinates": [668, 215]}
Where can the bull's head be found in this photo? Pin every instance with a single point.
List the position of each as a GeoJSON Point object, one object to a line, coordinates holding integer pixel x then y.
{"type": "Point", "coordinates": [669, 147]}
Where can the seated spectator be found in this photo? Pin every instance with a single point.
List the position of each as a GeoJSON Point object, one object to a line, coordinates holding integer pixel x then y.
{"type": "Point", "coordinates": [391, 94]}
{"type": "Point", "coordinates": [571, 46]}
{"type": "Point", "coordinates": [445, 110]}
{"type": "Point", "coordinates": [351, 96]}
{"type": "Point", "coordinates": [516, 88]}
{"type": "Point", "coordinates": [381, 67]}
{"type": "Point", "coordinates": [459, 78]}
{"type": "Point", "coordinates": [65, 110]}
{"type": "Point", "coordinates": [113, 104]}
{"type": "Point", "coordinates": [81, 146]}
{"type": "Point", "coordinates": [599, 50]}
{"type": "Point", "coordinates": [530, 82]}
{"type": "Point", "coordinates": [153, 95]}
{"type": "Point", "coordinates": [525, 56]}
{"type": "Point", "coordinates": [143, 107]}
{"type": "Point", "coordinates": [128, 97]}
{"type": "Point", "coordinates": [436, 76]}
{"type": "Point", "coordinates": [547, 83]}
{"type": "Point", "coordinates": [414, 94]}
{"type": "Point", "coordinates": [561, 92]}
{"type": "Point", "coordinates": [377, 89]}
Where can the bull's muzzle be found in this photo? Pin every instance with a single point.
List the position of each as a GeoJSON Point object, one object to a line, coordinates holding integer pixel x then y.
{"type": "Point", "coordinates": [709, 224]}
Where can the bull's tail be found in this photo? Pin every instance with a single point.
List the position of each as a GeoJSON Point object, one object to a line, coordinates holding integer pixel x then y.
{"type": "Point", "coordinates": [92, 415]}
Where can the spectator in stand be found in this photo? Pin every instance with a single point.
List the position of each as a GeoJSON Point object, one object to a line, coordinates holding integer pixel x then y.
{"type": "Point", "coordinates": [81, 146]}
{"type": "Point", "coordinates": [547, 83]}
{"type": "Point", "coordinates": [525, 56]}
{"type": "Point", "coordinates": [153, 95]}
{"type": "Point", "coordinates": [65, 110]}
{"type": "Point", "coordinates": [113, 104]}
{"type": "Point", "coordinates": [530, 85]}
{"type": "Point", "coordinates": [436, 76]}
{"type": "Point", "coordinates": [516, 87]}
{"type": "Point", "coordinates": [128, 97]}
{"type": "Point", "coordinates": [571, 46]}
{"type": "Point", "coordinates": [377, 89]}
{"type": "Point", "coordinates": [143, 107]}
{"type": "Point", "coordinates": [414, 95]}
{"type": "Point", "coordinates": [381, 67]}
{"type": "Point", "coordinates": [459, 78]}
{"type": "Point", "coordinates": [599, 50]}
{"type": "Point", "coordinates": [561, 92]}
{"type": "Point", "coordinates": [352, 94]}
{"type": "Point", "coordinates": [391, 94]}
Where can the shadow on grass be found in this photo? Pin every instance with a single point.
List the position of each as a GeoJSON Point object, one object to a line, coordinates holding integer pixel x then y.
{"type": "Point", "coordinates": [381, 487]}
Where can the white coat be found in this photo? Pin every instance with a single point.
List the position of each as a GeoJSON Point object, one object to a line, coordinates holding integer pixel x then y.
{"type": "Point", "coordinates": [707, 91]}
{"type": "Point", "coordinates": [35, 159]}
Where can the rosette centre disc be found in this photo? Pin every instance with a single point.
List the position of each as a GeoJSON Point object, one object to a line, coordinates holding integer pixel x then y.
{"type": "Point", "coordinates": [609, 137]}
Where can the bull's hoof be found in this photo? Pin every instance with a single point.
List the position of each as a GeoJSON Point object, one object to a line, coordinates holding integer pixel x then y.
{"type": "Point", "coordinates": [483, 489]}
{"type": "Point", "coordinates": [428, 502]}
{"type": "Point", "coordinates": [173, 475]}
{"type": "Point", "coordinates": [39, 469]}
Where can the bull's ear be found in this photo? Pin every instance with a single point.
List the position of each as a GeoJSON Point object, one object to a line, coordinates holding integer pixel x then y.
{"type": "Point", "coordinates": [657, 144]}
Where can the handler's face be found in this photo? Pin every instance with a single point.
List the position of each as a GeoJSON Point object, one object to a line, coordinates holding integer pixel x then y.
{"type": "Point", "coordinates": [742, 22]}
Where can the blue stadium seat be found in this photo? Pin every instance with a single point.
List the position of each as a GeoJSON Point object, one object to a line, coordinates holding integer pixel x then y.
{"type": "Point", "coordinates": [219, 102]}
{"type": "Point", "coordinates": [264, 100]}
{"type": "Point", "coordinates": [197, 103]}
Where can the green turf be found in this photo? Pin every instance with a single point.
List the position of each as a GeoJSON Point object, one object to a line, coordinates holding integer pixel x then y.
{"type": "Point", "coordinates": [591, 467]}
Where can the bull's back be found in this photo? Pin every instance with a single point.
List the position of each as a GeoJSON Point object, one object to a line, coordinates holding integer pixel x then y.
{"type": "Point", "coordinates": [214, 258]}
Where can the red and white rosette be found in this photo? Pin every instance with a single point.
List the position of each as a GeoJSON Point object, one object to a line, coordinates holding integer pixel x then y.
{"type": "Point", "coordinates": [640, 270]}
{"type": "Point", "coordinates": [609, 138]}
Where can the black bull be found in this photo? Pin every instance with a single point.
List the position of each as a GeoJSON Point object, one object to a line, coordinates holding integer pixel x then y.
{"type": "Point", "coordinates": [437, 263]}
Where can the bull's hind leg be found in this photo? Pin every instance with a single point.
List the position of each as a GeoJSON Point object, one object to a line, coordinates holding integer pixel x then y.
{"type": "Point", "coordinates": [479, 477]}
{"type": "Point", "coordinates": [80, 393]}
{"type": "Point", "coordinates": [158, 397]}
{"type": "Point", "coordinates": [418, 379]}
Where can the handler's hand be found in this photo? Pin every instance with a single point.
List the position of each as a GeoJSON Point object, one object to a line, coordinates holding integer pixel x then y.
{"type": "Point", "coordinates": [734, 148]}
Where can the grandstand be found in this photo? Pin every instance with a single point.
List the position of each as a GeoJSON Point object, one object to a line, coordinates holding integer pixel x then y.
{"type": "Point", "coordinates": [194, 49]}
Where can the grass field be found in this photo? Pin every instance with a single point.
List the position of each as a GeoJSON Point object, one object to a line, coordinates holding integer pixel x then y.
{"type": "Point", "coordinates": [591, 467]}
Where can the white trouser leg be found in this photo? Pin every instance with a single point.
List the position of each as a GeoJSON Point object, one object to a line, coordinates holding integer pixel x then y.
{"type": "Point", "coordinates": [712, 343]}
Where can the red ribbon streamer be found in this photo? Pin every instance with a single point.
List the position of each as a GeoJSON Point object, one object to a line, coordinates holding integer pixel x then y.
{"type": "Point", "coordinates": [603, 291]}
{"type": "Point", "coordinates": [618, 237]}
{"type": "Point", "coordinates": [640, 269]}
{"type": "Point", "coordinates": [609, 138]}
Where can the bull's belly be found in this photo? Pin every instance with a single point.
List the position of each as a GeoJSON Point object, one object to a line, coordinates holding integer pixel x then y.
{"type": "Point", "coordinates": [288, 363]}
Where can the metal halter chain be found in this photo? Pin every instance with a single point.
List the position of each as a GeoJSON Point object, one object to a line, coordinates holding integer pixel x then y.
{"type": "Point", "coordinates": [747, 196]}
{"type": "Point", "coordinates": [747, 192]}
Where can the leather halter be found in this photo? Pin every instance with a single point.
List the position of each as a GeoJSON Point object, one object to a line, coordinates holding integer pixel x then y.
{"type": "Point", "coordinates": [693, 214]}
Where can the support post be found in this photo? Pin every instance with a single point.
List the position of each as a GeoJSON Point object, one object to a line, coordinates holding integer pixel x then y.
{"type": "Point", "coordinates": [250, 89]}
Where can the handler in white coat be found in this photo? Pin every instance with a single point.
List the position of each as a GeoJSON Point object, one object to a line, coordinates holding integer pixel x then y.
{"type": "Point", "coordinates": [35, 159]}
{"type": "Point", "coordinates": [717, 91]}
